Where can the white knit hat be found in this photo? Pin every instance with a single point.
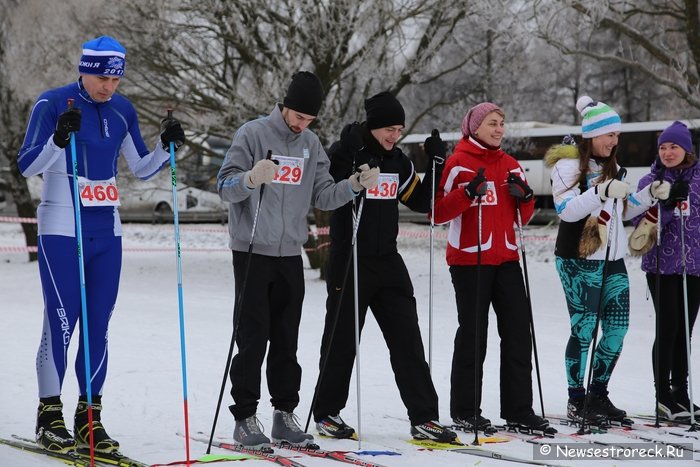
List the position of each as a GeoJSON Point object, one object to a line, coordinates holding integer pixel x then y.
{"type": "Point", "coordinates": [598, 118]}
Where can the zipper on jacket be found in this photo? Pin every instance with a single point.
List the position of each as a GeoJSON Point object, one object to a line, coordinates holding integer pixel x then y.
{"type": "Point", "coordinates": [99, 121]}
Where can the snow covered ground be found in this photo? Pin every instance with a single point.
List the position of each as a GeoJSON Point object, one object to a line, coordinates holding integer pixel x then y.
{"type": "Point", "coordinates": [143, 397]}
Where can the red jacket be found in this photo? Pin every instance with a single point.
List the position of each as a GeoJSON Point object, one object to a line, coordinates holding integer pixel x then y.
{"type": "Point", "coordinates": [498, 207]}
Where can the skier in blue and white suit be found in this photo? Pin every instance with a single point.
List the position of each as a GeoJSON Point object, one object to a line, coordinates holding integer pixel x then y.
{"type": "Point", "coordinates": [105, 126]}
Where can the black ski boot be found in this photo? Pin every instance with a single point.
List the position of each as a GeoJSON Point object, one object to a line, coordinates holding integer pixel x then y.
{"type": "Point", "coordinates": [434, 431]}
{"type": "Point", "coordinates": [670, 409]}
{"type": "Point", "coordinates": [334, 427]}
{"type": "Point", "coordinates": [574, 412]}
{"type": "Point", "coordinates": [51, 432]}
{"type": "Point", "coordinates": [102, 441]}
{"type": "Point", "coordinates": [680, 395]}
{"type": "Point", "coordinates": [531, 424]}
{"type": "Point", "coordinates": [600, 403]}
{"type": "Point", "coordinates": [467, 424]}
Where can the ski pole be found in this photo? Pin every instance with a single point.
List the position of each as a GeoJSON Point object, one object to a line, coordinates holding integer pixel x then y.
{"type": "Point", "coordinates": [83, 295]}
{"type": "Point", "coordinates": [237, 310]}
{"type": "Point", "coordinates": [691, 406]}
{"type": "Point", "coordinates": [326, 351]}
{"type": "Point", "coordinates": [529, 301]}
{"type": "Point", "coordinates": [180, 300]}
{"type": "Point", "coordinates": [477, 372]}
{"type": "Point", "coordinates": [657, 303]}
{"type": "Point", "coordinates": [601, 302]}
{"type": "Point", "coordinates": [436, 134]}
{"type": "Point", "coordinates": [356, 297]}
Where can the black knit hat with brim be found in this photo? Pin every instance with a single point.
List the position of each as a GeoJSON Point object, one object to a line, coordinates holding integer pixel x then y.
{"type": "Point", "coordinates": [384, 110]}
{"type": "Point", "coordinates": [305, 93]}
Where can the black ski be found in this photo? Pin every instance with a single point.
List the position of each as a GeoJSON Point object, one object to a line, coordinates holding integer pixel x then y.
{"type": "Point", "coordinates": [113, 458]}
{"type": "Point", "coordinates": [69, 459]}
{"type": "Point", "coordinates": [491, 454]}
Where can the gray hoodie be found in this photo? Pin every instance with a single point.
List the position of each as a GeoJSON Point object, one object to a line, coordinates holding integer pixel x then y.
{"type": "Point", "coordinates": [281, 226]}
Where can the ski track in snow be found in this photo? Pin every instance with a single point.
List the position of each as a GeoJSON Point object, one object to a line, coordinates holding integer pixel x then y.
{"type": "Point", "coordinates": [143, 395]}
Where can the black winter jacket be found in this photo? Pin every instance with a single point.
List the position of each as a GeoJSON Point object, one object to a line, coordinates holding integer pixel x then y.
{"type": "Point", "coordinates": [379, 222]}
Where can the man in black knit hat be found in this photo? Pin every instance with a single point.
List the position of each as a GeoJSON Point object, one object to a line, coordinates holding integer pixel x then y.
{"type": "Point", "coordinates": [384, 284]}
{"type": "Point", "coordinates": [294, 176]}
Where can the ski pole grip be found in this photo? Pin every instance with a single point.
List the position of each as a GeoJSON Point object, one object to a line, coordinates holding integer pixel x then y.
{"type": "Point", "coordinates": [621, 174]}
{"type": "Point", "coordinates": [661, 174]}
{"type": "Point", "coordinates": [170, 112]}
{"type": "Point", "coordinates": [435, 133]}
{"type": "Point", "coordinates": [70, 103]}
{"type": "Point", "coordinates": [269, 157]}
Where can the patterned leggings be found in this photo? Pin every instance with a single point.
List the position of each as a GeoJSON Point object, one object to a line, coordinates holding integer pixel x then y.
{"type": "Point", "coordinates": [581, 279]}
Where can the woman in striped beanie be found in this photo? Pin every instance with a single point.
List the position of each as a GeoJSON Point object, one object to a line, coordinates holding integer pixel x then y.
{"type": "Point", "coordinates": [592, 203]}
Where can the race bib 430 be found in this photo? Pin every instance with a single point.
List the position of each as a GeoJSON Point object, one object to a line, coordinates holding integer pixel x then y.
{"type": "Point", "coordinates": [387, 187]}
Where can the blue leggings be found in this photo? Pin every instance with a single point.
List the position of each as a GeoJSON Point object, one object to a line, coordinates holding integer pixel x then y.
{"type": "Point", "coordinates": [60, 281]}
{"type": "Point", "coordinates": [581, 279]}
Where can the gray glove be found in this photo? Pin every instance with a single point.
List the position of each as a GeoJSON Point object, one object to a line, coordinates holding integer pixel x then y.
{"type": "Point", "coordinates": [263, 171]}
{"type": "Point", "coordinates": [365, 179]}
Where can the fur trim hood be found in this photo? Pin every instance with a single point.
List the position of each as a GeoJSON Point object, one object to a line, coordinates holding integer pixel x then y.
{"type": "Point", "coordinates": [559, 152]}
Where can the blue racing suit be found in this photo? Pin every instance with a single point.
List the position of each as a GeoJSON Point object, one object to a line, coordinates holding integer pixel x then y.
{"type": "Point", "coordinates": [108, 130]}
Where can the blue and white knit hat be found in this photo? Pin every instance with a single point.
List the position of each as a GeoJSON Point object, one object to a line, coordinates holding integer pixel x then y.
{"type": "Point", "coordinates": [103, 56]}
{"type": "Point", "coordinates": [598, 118]}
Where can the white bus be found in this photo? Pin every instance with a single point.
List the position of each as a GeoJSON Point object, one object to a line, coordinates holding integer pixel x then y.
{"type": "Point", "coordinates": [528, 142]}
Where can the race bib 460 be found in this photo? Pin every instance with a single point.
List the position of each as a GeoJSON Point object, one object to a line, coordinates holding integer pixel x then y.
{"type": "Point", "coordinates": [98, 192]}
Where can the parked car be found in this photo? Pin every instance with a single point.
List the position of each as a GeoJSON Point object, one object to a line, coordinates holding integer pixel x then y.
{"type": "Point", "coordinates": [152, 200]}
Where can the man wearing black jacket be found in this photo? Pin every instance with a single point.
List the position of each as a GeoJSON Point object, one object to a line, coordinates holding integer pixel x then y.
{"type": "Point", "coordinates": [384, 283]}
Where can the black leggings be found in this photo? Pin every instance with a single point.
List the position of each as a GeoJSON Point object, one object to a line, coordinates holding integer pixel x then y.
{"type": "Point", "coordinates": [673, 360]}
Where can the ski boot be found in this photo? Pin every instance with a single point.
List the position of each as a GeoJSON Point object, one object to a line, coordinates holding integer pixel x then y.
{"type": "Point", "coordinates": [286, 429]}
{"type": "Point", "coordinates": [334, 427]}
{"type": "Point", "coordinates": [530, 424]}
{"type": "Point", "coordinates": [600, 403]}
{"type": "Point", "coordinates": [468, 424]}
{"type": "Point", "coordinates": [434, 431]}
{"type": "Point", "coordinates": [680, 395]}
{"type": "Point", "coordinates": [102, 441]}
{"type": "Point", "coordinates": [574, 413]}
{"type": "Point", "coordinates": [670, 409]}
{"type": "Point", "coordinates": [51, 432]}
{"type": "Point", "coordinates": [249, 434]}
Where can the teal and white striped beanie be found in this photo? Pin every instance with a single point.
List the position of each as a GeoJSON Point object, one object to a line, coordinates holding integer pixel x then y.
{"type": "Point", "coordinates": [598, 118]}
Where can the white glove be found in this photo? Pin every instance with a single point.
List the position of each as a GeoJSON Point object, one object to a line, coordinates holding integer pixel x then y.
{"type": "Point", "coordinates": [612, 189]}
{"type": "Point", "coordinates": [365, 179]}
{"type": "Point", "coordinates": [263, 171]}
{"type": "Point", "coordinates": [660, 190]}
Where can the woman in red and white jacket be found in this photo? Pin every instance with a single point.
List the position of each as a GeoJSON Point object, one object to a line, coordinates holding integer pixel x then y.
{"type": "Point", "coordinates": [479, 169]}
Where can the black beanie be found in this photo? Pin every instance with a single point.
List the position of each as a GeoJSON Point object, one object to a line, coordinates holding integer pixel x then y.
{"type": "Point", "coordinates": [384, 110]}
{"type": "Point", "coordinates": [305, 93]}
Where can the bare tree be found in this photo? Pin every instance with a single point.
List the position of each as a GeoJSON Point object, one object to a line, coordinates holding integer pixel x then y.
{"type": "Point", "coordinates": [30, 64]}
{"type": "Point", "coordinates": [652, 42]}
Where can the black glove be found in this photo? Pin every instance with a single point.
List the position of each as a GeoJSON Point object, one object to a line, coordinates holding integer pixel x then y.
{"type": "Point", "coordinates": [435, 148]}
{"type": "Point", "coordinates": [351, 137]}
{"type": "Point", "coordinates": [68, 122]}
{"type": "Point", "coordinates": [171, 130]}
{"type": "Point", "coordinates": [518, 189]}
{"type": "Point", "coordinates": [679, 192]}
{"type": "Point", "coordinates": [477, 187]}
